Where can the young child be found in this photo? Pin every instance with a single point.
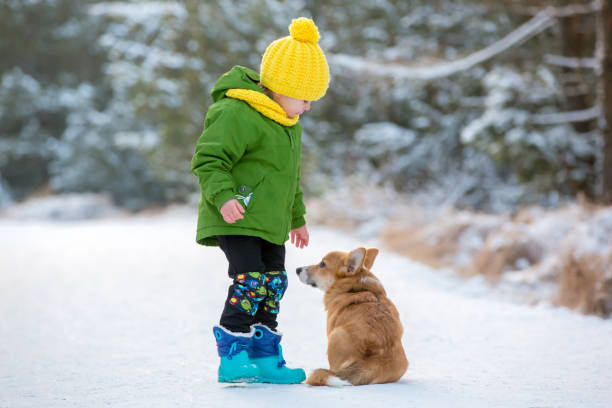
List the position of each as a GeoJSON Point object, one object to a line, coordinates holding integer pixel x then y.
{"type": "Point", "coordinates": [247, 162]}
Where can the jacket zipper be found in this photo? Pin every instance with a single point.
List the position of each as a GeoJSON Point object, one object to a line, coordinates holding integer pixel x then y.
{"type": "Point", "coordinates": [287, 225]}
{"type": "Point", "coordinates": [290, 138]}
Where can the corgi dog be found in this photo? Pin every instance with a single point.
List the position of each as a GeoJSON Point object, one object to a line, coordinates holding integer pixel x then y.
{"type": "Point", "coordinates": [364, 331]}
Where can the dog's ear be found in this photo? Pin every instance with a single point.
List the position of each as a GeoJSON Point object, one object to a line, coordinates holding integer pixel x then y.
{"type": "Point", "coordinates": [370, 256]}
{"type": "Point", "coordinates": [354, 260]}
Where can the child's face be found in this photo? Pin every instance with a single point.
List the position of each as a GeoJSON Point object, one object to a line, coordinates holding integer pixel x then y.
{"type": "Point", "coordinates": [290, 105]}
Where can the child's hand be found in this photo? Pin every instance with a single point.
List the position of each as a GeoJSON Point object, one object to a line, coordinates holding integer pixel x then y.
{"type": "Point", "coordinates": [299, 236]}
{"type": "Point", "coordinates": [232, 211]}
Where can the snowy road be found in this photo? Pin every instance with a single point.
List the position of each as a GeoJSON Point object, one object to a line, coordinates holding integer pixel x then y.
{"type": "Point", "coordinates": [118, 312]}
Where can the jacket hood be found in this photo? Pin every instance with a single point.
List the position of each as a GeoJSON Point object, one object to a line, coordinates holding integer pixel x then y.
{"type": "Point", "coordinates": [236, 78]}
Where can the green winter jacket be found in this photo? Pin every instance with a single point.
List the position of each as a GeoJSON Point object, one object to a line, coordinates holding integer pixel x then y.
{"type": "Point", "coordinates": [243, 154]}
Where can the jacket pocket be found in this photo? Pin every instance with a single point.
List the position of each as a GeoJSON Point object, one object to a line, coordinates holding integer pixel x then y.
{"type": "Point", "coordinates": [247, 195]}
{"type": "Point", "coordinates": [244, 194]}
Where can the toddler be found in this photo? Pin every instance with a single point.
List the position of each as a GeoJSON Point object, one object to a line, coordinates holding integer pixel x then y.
{"type": "Point", "coordinates": [247, 162]}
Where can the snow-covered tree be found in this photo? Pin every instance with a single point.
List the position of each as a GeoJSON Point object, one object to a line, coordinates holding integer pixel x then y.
{"type": "Point", "coordinates": [121, 89]}
{"type": "Point", "coordinates": [517, 130]}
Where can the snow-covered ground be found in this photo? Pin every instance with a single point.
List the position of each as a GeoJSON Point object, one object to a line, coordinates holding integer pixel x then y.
{"type": "Point", "coordinates": [118, 312]}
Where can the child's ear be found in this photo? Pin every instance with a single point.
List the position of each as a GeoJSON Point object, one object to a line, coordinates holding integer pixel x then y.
{"type": "Point", "coordinates": [370, 256]}
{"type": "Point", "coordinates": [354, 260]}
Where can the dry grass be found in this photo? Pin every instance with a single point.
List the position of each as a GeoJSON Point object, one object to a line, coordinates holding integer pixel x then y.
{"type": "Point", "coordinates": [412, 243]}
{"type": "Point", "coordinates": [351, 207]}
{"type": "Point", "coordinates": [586, 283]}
{"type": "Point", "coordinates": [568, 248]}
{"type": "Point", "coordinates": [450, 240]}
{"type": "Point", "coordinates": [508, 249]}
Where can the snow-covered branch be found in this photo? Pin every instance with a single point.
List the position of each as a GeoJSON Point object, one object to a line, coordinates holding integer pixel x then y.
{"type": "Point", "coordinates": [565, 117]}
{"type": "Point", "coordinates": [139, 12]}
{"type": "Point", "coordinates": [563, 11]}
{"type": "Point", "coordinates": [348, 63]}
{"type": "Point", "coordinates": [569, 62]}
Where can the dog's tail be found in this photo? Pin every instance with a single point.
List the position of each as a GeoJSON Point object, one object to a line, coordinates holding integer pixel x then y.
{"type": "Point", "coordinates": [374, 370]}
{"type": "Point", "coordinates": [321, 376]}
{"type": "Point", "coordinates": [357, 373]}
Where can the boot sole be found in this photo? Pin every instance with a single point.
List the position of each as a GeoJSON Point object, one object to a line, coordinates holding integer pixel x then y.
{"type": "Point", "coordinates": [252, 380]}
{"type": "Point", "coordinates": [280, 382]}
{"type": "Point", "coordinates": [238, 380]}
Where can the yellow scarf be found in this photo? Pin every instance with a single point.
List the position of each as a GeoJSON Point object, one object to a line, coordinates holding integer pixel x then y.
{"type": "Point", "coordinates": [264, 105]}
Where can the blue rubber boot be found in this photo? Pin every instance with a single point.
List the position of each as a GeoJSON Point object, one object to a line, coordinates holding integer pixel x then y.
{"type": "Point", "coordinates": [233, 350]}
{"type": "Point", "coordinates": [267, 355]}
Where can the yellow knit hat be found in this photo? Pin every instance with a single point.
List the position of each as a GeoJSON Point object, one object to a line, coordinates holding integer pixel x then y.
{"type": "Point", "coordinates": [295, 65]}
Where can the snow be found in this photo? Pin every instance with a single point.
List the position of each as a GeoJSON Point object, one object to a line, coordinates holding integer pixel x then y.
{"type": "Point", "coordinates": [118, 311]}
{"type": "Point", "coordinates": [65, 207]}
{"type": "Point", "coordinates": [139, 12]}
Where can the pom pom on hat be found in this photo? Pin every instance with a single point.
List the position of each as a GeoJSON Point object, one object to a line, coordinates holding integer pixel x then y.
{"type": "Point", "coordinates": [304, 29]}
{"type": "Point", "coordinates": [295, 65]}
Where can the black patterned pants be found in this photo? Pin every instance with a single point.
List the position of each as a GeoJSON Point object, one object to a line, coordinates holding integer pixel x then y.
{"type": "Point", "coordinates": [257, 268]}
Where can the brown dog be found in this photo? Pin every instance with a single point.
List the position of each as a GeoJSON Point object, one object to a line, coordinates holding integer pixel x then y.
{"type": "Point", "coordinates": [364, 332]}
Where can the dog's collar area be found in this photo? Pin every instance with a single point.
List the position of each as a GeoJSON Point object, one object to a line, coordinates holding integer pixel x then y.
{"type": "Point", "coordinates": [356, 289]}
{"type": "Point", "coordinates": [369, 279]}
